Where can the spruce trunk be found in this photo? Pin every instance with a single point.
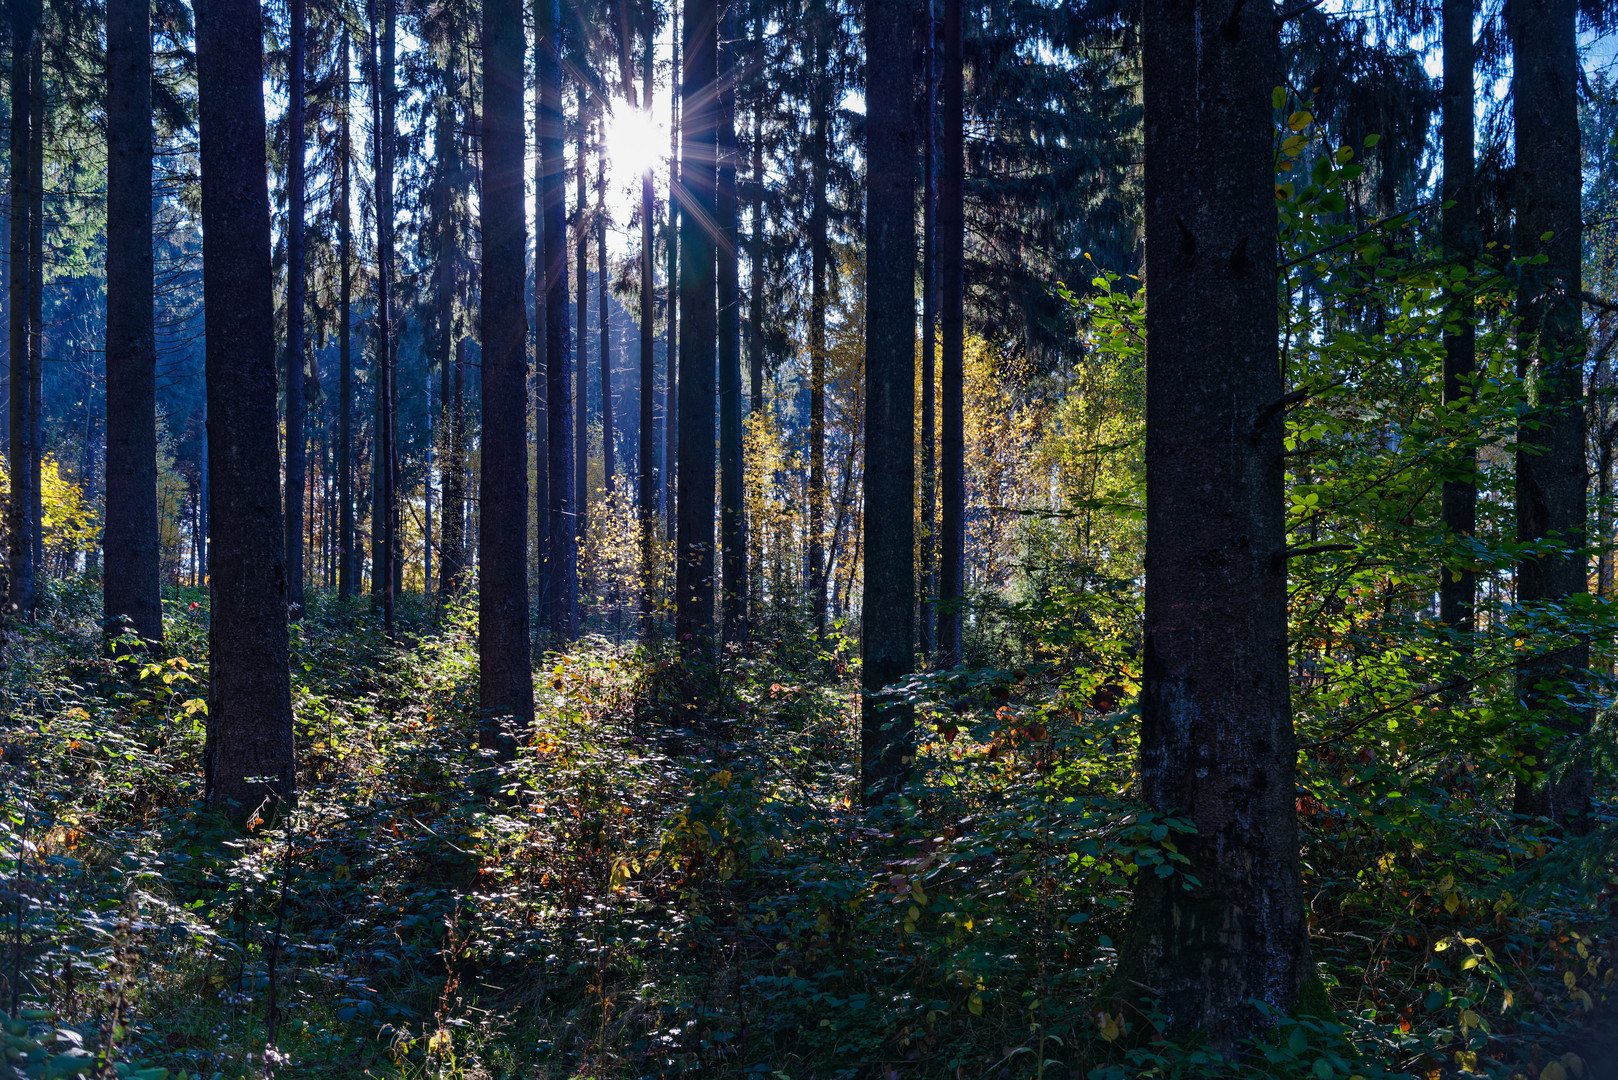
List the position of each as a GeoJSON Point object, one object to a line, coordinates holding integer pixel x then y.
{"type": "Point", "coordinates": [132, 597]}
{"type": "Point", "coordinates": [248, 756]}
{"type": "Point", "coordinates": [1217, 744]}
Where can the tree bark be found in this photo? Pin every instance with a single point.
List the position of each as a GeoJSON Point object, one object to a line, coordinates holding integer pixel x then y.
{"type": "Point", "coordinates": [951, 241]}
{"type": "Point", "coordinates": [347, 550]}
{"type": "Point", "coordinates": [1551, 481]}
{"type": "Point", "coordinates": [36, 307]}
{"type": "Point", "coordinates": [295, 464]}
{"type": "Point", "coordinates": [25, 16]}
{"type": "Point", "coordinates": [1457, 589]}
{"type": "Point", "coordinates": [505, 674]}
{"type": "Point", "coordinates": [581, 389]}
{"type": "Point", "coordinates": [694, 541]}
{"type": "Point", "coordinates": [648, 360]}
{"type": "Point", "coordinates": [249, 755]}
{"type": "Point", "coordinates": [887, 613]}
{"type": "Point", "coordinates": [541, 436]}
{"type": "Point", "coordinates": [671, 362]}
{"type": "Point", "coordinates": [603, 316]}
{"type": "Point", "coordinates": [929, 328]}
{"type": "Point", "coordinates": [733, 524]}
{"type": "Point", "coordinates": [819, 255]}
{"type": "Point", "coordinates": [452, 556]}
{"type": "Point", "coordinates": [131, 586]}
{"type": "Point", "coordinates": [1217, 744]}
{"type": "Point", "coordinates": [563, 570]}
{"type": "Point", "coordinates": [384, 470]}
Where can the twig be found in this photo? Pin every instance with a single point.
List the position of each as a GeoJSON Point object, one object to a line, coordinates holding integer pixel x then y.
{"type": "Point", "coordinates": [1284, 17]}
{"type": "Point", "coordinates": [1349, 239]}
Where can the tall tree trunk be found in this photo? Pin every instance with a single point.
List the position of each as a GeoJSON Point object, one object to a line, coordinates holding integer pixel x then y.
{"type": "Point", "coordinates": [581, 391]}
{"type": "Point", "coordinates": [132, 592]}
{"type": "Point", "coordinates": [295, 466]}
{"type": "Point", "coordinates": [25, 17]}
{"type": "Point", "coordinates": [648, 359]}
{"type": "Point", "coordinates": [888, 610]}
{"type": "Point", "coordinates": [733, 525]}
{"type": "Point", "coordinates": [563, 567]}
{"type": "Point", "coordinates": [603, 317]}
{"type": "Point", "coordinates": [1550, 437]}
{"type": "Point", "coordinates": [755, 288]}
{"type": "Point", "coordinates": [1217, 744]}
{"type": "Point", "coordinates": [347, 550]}
{"type": "Point", "coordinates": [755, 253]}
{"type": "Point", "coordinates": [505, 674]}
{"type": "Point", "coordinates": [1457, 589]}
{"type": "Point", "coordinates": [383, 495]}
{"type": "Point", "coordinates": [694, 540]}
{"type": "Point", "coordinates": [249, 756]}
{"type": "Point", "coordinates": [5, 317]}
{"type": "Point", "coordinates": [452, 556]}
{"type": "Point", "coordinates": [671, 362]}
{"type": "Point", "coordinates": [929, 325]}
{"type": "Point", "coordinates": [385, 208]}
{"type": "Point", "coordinates": [36, 307]}
{"type": "Point", "coordinates": [819, 255]}
{"type": "Point", "coordinates": [951, 253]}
{"type": "Point", "coordinates": [541, 435]}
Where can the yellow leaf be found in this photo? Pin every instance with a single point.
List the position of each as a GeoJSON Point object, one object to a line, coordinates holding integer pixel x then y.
{"type": "Point", "coordinates": [1470, 1019]}
{"type": "Point", "coordinates": [1553, 1071]}
{"type": "Point", "coordinates": [1109, 1027]}
{"type": "Point", "coordinates": [1451, 902]}
{"type": "Point", "coordinates": [1569, 979]}
{"type": "Point", "coordinates": [974, 1005]}
{"type": "Point", "coordinates": [1299, 120]}
{"type": "Point", "coordinates": [1573, 1063]}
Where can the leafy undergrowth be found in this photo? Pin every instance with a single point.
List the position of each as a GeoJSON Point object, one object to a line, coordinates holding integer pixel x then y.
{"type": "Point", "coordinates": [648, 892]}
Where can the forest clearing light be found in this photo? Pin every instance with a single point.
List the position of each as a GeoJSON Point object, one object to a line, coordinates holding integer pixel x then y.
{"type": "Point", "coordinates": [635, 142]}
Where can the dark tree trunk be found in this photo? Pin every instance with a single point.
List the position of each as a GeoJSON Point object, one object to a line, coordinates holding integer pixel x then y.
{"type": "Point", "coordinates": [25, 16]}
{"type": "Point", "coordinates": [132, 591]}
{"type": "Point", "coordinates": [755, 254]}
{"type": "Point", "coordinates": [648, 359]}
{"type": "Point", "coordinates": [1550, 437]}
{"type": "Point", "coordinates": [929, 327]}
{"type": "Point", "coordinates": [1217, 744]}
{"type": "Point", "coordinates": [36, 307]}
{"type": "Point", "coordinates": [564, 582]}
{"type": "Point", "coordinates": [295, 465]}
{"type": "Point", "coordinates": [671, 362]}
{"type": "Point", "coordinates": [755, 284]}
{"type": "Point", "coordinates": [694, 540]}
{"type": "Point", "coordinates": [819, 255]}
{"type": "Point", "coordinates": [249, 756]}
{"type": "Point", "coordinates": [452, 555]}
{"type": "Point", "coordinates": [887, 614]}
{"type": "Point", "coordinates": [347, 551]}
{"type": "Point", "coordinates": [505, 674]}
{"type": "Point", "coordinates": [951, 253]}
{"type": "Point", "coordinates": [383, 496]}
{"type": "Point", "coordinates": [603, 316]}
{"type": "Point", "coordinates": [581, 389]}
{"type": "Point", "coordinates": [733, 525]}
{"type": "Point", "coordinates": [1457, 590]}
{"type": "Point", "coordinates": [542, 490]}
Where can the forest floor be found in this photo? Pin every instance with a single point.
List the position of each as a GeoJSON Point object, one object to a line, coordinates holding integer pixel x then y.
{"type": "Point", "coordinates": [651, 892]}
